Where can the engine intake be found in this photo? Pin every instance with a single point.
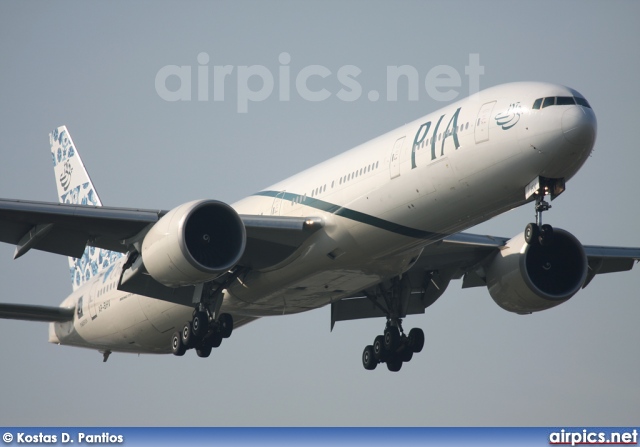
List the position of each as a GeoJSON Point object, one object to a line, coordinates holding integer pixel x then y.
{"type": "Point", "coordinates": [525, 278]}
{"type": "Point", "coordinates": [193, 243]}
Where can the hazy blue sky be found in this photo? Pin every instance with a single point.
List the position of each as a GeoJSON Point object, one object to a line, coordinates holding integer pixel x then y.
{"type": "Point", "coordinates": [92, 66]}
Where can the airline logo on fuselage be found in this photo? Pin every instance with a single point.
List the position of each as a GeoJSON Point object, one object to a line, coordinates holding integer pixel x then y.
{"type": "Point", "coordinates": [423, 131]}
{"type": "Point", "coordinates": [510, 118]}
{"type": "Point", "coordinates": [506, 120]}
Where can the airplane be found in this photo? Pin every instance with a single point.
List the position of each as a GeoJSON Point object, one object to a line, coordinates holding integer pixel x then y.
{"type": "Point", "coordinates": [374, 232]}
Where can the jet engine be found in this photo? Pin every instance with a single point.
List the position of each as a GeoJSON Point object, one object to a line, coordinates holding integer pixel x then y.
{"type": "Point", "coordinates": [193, 243]}
{"type": "Point", "coordinates": [525, 278]}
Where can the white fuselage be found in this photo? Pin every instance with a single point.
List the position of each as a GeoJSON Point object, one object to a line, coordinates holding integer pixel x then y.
{"type": "Point", "coordinates": [382, 202]}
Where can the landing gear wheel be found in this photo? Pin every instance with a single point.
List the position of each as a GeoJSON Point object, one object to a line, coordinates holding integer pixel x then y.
{"type": "Point", "coordinates": [378, 348]}
{"type": "Point", "coordinates": [391, 338]}
{"type": "Point", "coordinates": [187, 336]}
{"type": "Point", "coordinates": [176, 344]}
{"type": "Point", "coordinates": [546, 234]}
{"type": "Point", "coordinates": [394, 365]}
{"type": "Point", "coordinates": [225, 325]}
{"type": "Point", "coordinates": [204, 349]}
{"type": "Point", "coordinates": [406, 355]}
{"type": "Point", "coordinates": [215, 340]}
{"type": "Point", "coordinates": [368, 358]}
{"type": "Point", "coordinates": [531, 233]}
{"type": "Point", "coordinates": [200, 324]}
{"type": "Point", "coordinates": [416, 339]}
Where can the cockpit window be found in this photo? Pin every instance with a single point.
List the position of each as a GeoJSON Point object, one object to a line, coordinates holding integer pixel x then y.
{"type": "Point", "coordinates": [582, 102]}
{"type": "Point", "coordinates": [541, 103]}
{"type": "Point", "coordinates": [548, 102]}
{"type": "Point", "coordinates": [565, 100]}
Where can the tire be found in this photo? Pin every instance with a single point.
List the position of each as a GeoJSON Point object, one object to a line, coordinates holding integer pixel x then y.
{"type": "Point", "coordinates": [546, 234]}
{"type": "Point", "coordinates": [204, 349]}
{"type": "Point", "coordinates": [531, 233]}
{"type": "Point", "coordinates": [200, 324]}
{"type": "Point", "coordinates": [406, 355]}
{"type": "Point", "coordinates": [368, 359]}
{"type": "Point", "coordinates": [394, 365]}
{"type": "Point", "coordinates": [379, 351]}
{"type": "Point", "coordinates": [225, 325]}
{"type": "Point", "coordinates": [177, 348]}
{"type": "Point", "coordinates": [416, 339]}
{"type": "Point", "coordinates": [391, 339]}
{"type": "Point", "coordinates": [215, 341]}
{"type": "Point", "coordinates": [188, 339]}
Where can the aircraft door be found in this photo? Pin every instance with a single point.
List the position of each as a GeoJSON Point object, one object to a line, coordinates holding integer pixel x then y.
{"type": "Point", "coordinates": [93, 298]}
{"type": "Point", "coordinates": [482, 122]}
{"type": "Point", "coordinates": [394, 164]}
{"type": "Point", "coordinates": [276, 207]}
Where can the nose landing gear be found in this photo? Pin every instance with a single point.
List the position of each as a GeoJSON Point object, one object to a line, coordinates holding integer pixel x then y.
{"type": "Point", "coordinates": [537, 233]}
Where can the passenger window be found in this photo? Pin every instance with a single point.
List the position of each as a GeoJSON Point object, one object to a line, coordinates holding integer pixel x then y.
{"type": "Point", "coordinates": [548, 102]}
{"type": "Point", "coordinates": [537, 103]}
{"type": "Point", "coordinates": [565, 101]}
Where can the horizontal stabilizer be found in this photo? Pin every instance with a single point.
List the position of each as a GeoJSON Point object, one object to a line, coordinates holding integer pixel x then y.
{"type": "Point", "coordinates": [35, 313]}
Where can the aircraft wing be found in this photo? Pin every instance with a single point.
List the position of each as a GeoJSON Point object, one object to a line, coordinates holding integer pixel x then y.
{"type": "Point", "coordinates": [35, 313]}
{"type": "Point", "coordinates": [67, 229]}
{"type": "Point", "coordinates": [469, 250]}
{"type": "Point", "coordinates": [464, 256]}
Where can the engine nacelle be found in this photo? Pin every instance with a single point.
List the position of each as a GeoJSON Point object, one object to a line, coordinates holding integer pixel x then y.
{"type": "Point", "coordinates": [193, 243]}
{"type": "Point", "coordinates": [525, 278]}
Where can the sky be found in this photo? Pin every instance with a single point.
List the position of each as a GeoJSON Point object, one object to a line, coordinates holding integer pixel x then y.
{"type": "Point", "coordinates": [94, 66]}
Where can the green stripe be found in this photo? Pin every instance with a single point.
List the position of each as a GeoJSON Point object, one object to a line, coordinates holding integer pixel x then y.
{"type": "Point", "coordinates": [353, 215]}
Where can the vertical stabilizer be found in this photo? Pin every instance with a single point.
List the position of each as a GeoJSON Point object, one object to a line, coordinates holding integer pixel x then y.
{"type": "Point", "coordinates": [75, 187]}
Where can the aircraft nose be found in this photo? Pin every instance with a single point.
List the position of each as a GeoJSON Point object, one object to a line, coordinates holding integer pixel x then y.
{"type": "Point", "coordinates": [579, 126]}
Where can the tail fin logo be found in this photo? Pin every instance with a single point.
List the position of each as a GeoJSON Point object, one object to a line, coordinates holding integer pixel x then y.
{"type": "Point", "coordinates": [65, 178]}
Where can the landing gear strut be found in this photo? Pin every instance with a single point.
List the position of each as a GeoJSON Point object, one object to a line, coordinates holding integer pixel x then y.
{"type": "Point", "coordinates": [537, 233]}
{"type": "Point", "coordinates": [393, 347]}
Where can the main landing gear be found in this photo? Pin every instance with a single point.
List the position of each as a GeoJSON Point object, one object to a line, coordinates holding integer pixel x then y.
{"type": "Point", "coordinates": [208, 327]}
{"type": "Point", "coordinates": [393, 347]}
{"type": "Point", "coordinates": [202, 333]}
